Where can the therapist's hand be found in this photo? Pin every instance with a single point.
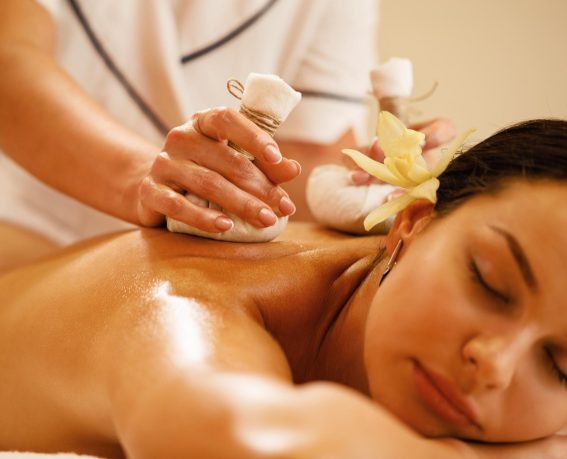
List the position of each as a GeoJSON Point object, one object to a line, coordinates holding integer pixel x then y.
{"type": "Point", "coordinates": [196, 159]}
{"type": "Point", "coordinates": [438, 131]}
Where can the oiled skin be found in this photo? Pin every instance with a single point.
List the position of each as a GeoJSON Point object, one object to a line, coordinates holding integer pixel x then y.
{"type": "Point", "coordinates": [77, 330]}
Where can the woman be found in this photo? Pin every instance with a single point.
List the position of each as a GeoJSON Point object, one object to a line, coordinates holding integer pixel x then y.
{"type": "Point", "coordinates": [150, 344]}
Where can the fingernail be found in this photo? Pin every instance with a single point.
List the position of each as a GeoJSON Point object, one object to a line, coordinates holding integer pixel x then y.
{"type": "Point", "coordinates": [358, 177]}
{"type": "Point", "coordinates": [224, 223]}
{"type": "Point", "coordinates": [429, 139]}
{"type": "Point", "coordinates": [373, 143]}
{"type": "Point", "coordinates": [272, 154]}
{"type": "Point", "coordinates": [286, 206]}
{"type": "Point", "coordinates": [267, 217]}
{"type": "Point", "coordinates": [298, 166]}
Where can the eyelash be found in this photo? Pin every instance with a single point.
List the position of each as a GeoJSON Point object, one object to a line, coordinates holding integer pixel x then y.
{"type": "Point", "coordinates": [478, 279]}
{"type": "Point", "coordinates": [562, 377]}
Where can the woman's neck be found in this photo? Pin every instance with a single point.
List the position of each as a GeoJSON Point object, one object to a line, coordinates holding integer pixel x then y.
{"type": "Point", "coordinates": [341, 356]}
{"type": "Point", "coordinates": [317, 311]}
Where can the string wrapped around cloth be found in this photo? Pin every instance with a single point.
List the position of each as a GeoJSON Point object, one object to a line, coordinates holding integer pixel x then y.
{"type": "Point", "coordinates": [392, 84]}
{"type": "Point", "coordinates": [266, 100]}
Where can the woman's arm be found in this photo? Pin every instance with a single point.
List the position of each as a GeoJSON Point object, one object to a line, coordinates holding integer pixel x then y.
{"type": "Point", "coordinates": [223, 389]}
{"type": "Point", "coordinates": [554, 447]}
{"type": "Point", "coordinates": [212, 383]}
{"type": "Point", "coordinates": [236, 415]}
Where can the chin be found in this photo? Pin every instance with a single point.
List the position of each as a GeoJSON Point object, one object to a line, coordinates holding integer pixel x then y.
{"type": "Point", "coordinates": [414, 419]}
{"type": "Point", "coordinates": [425, 427]}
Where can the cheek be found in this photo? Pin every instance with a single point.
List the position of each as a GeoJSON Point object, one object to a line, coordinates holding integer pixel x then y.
{"type": "Point", "coordinates": [529, 411]}
{"type": "Point", "coordinates": [424, 309]}
{"type": "Point", "coordinates": [428, 318]}
{"type": "Point", "coordinates": [421, 320]}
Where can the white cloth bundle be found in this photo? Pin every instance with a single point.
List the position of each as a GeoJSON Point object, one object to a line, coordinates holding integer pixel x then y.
{"type": "Point", "coordinates": [338, 204]}
{"type": "Point", "coordinates": [332, 199]}
{"type": "Point", "coordinates": [392, 84]}
{"type": "Point", "coordinates": [272, 96]}
{"type": "Point", "coordinates": [393, 78]}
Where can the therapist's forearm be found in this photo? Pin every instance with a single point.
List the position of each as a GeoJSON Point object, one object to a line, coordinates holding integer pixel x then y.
{"type": "Point", "coordinates": [59, 134]}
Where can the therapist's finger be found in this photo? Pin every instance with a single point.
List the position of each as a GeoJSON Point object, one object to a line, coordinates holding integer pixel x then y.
{"type": "Point", "coordinates": [158, 200]}
{"type": "Point", "coordinates": [223, 124]}
{"type": "Point", "coordinates": [243, 173]}
{"type": "Point", "coordinates": [375, 151]}
{"type": "Point", "coordinates": [438, 131]}
{"type": "Point", "coordinates": [211, 186]}
{"type": "Point", "coordinates": [184, 144]}
{"type": "Point", "coordinates": [360, 177]}
{"type": "Point", "coordinates": [248, 174]}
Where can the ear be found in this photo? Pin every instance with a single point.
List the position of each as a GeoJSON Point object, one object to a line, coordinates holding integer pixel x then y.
{"type": "Point", "coordinates": [409, 223]}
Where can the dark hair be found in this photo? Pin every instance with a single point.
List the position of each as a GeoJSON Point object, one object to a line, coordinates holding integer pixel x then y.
{"type": "Point", "coordinates": [532, 150]}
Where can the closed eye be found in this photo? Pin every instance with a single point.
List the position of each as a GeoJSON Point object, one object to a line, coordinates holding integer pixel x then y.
{"type": "Point", "coordinates": [558, 372]}
{"type": "Point", "coordinates": [479, 280]}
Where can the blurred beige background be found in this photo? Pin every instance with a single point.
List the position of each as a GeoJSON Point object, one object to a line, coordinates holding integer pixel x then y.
{"type": "Point", "coordinates": [496, 61]}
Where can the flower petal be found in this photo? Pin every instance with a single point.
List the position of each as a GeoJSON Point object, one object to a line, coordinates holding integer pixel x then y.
{"type": "Point", "coordinates": [399, 167]}
{"type": "Point", "coordinates": [426, 190]}
{"type": "Point", "coordinates": [418, 173]}
{"type": "Point", "coordinates": [419, 160]}
{"type": "Point", "coordinates": [448, 153]}
{"type": "Point", "coordinates": [395, 139]}
{"type": "Point", "coordinates": [375, 168]}
{"type": "Point", "coordinates": [389, 128]}
{"type": "Point", "coordinates": [406, 146]}
{"type": "Point", "coordinates": [386, 210]}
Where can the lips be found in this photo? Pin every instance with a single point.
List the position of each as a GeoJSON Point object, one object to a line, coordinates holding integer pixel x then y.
{"type": "Point", "coordinates": [443, 397]}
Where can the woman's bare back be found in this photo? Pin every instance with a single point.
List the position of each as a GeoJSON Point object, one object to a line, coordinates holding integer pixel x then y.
{"type": "Point", "coordinates": [73, 327]}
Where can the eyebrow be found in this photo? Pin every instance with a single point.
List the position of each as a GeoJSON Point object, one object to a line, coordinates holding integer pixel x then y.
{"type": "Point", "coordinates": [520, 257]}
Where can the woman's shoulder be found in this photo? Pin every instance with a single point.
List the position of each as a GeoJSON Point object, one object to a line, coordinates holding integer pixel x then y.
{"type": "Point", "coordinates": [297, 238]}
{"type": "Point", "coordinates": [157, 250]}
{"type": "Point", "coordinates": [312, 232]}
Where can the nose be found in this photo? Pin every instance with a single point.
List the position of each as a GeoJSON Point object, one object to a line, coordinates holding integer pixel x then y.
{"type": "Point", "coordinates": [492, 360]}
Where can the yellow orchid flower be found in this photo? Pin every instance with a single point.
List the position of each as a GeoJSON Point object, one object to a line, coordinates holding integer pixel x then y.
{"type": "Point", "coordinates": [403, 166]}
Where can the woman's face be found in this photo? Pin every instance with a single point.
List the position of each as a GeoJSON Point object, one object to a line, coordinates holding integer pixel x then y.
{"type": "Point", "coordinates": [467, 336]}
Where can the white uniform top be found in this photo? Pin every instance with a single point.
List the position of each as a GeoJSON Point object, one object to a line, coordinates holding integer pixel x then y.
{"type": "Point", "coordinates": [152, 63]}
